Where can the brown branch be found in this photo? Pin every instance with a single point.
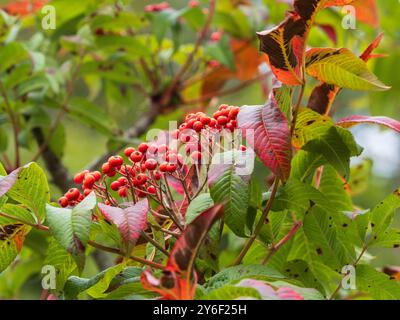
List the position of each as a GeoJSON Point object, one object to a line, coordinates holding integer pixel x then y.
{"type": "Point", "coordinates": [200, 39]}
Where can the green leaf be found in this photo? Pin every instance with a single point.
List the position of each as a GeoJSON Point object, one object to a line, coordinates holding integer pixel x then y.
{"type": "Point", "coordinates": [11, 239]}
{"type": "Point", "coordinates": [71, 227]}
{"type": "Point", "coordinates": [59, 258]}
{"type": "Point", "coordinates": [235, 273]}
{"type": "Point", "coordinates": [382, 215]}
{"type": "Point", "coordinates": [377, 284]}
{"type": "Point", "coordinates": [359, 177]}
{"type": "Point", "coordinates": [200, 204]}
{"type": "Point", "coordinates": [342, 68]}
{"type": "Point", "coordinates": [12, 54]}
{"type": "Point", "coordinates": [388, 239]}
{"type": "Point", "coordinates": [234, 192]}
{"type": "Point", "coordinates": [95, 286]}
{"type": "Point", "coordinates": [305, 163]}
{"type": "Point", "coordinates": [92, 115]}
{"type": "Point", "coordinates": [31, 189]}
{"type": "Point", "coordinates": [337, 146]}
{"type": "Point", "coordinates": [18, 212]}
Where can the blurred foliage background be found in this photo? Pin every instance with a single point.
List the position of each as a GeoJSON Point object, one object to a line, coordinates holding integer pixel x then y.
{"type": "Point", "coordinates": [80, 144]}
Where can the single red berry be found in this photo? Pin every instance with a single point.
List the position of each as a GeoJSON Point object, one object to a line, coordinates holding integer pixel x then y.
{"type": "Point", "coordinates": [213, 123]}
{"type": "Point", "coordinates": [175, 134]}
{"type": "Point", "coordinates": [243, 148]}
{"type": "Point", "coordinates": [151, 164]}
{"type": "Point", "coordinates": [164, 166]}
{"type": "Point", "coordinates": [63, 201]}
{"type": "Point", "coordinates": [141, 178]}
{"type": "Point", "coordinates": [222, 120]}
{"type": "Point", "coordinates": [157, 175]}
{"type": "Point", "coordinates": [216, 36]}
{"type": "Point", "coordinates": [223, 107]}
{"type": "Point", "coordinates": [143, 147]}
{"type": "Point", "coordinates": [87, 191]}
{"type": "Point", "coordinates": [72, 194]}
{"type": "Point", "coordinates": [89, 181]}
{"type": "Point", "coordinates": [198, 126]}
{"type": "Point", "coordinates": [205, 120]}
{"type": "Point", "coordinates": [233, 113]}
{"type": "Point", "coordinates": [151, 189]}
{"type": "Point", "coordinates": [128, 151]}
{"type": "Point", "coordinates": [123, 192]}
{"type": "Point", "coordinates": [171, 157]}
{"type": "Point", "coordinates": [111, 174]}
{"type": "Point", "coordinates": [115, 161]}
{"type": "Point", "coordinates": [96, 175]}
{"type": "Point", "coordinates": [78, 179]}
{"type": "Point", "coordinates": [80, 198]}
{"type": "Point", "coordinates": [196, 156]}
{"type": "Point", "coordinates": [230, 126]}
{"type": "Point", "coordinates": [141, 194]}
{"type": "Point", "coordinates": [136, 156]}
{"type": "Point", "coordinates": [190, 123]}
{"type": "Point", "coordinates": [217, 114]}
{"type": "Point", "coordinates": [171, 167]}
{"type": "Point", "coordinates": [115, 186]}
{"type": "Point", "coordinates": [123, 181]}
{"type": "Point", "coordinates": [152, 149]}
{"type": "Point", "coordinates": [182, 126]}
{"type": "Point", "coordinates": [106, 168]}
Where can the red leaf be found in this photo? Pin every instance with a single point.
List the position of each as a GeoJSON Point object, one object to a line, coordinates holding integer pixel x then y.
{"type": "Point", "coordinates": [24, 8]}
{"type": "Point", "coordinates": [330, 31]}
{"type": "Point", "coordinates": [367, 12]}
{"type": "Point", "coordinates": [131, 221]}
{"type": "Point", "coordinates": [267, 131]}
{"type": "Point", "coordinates": [178, 281]}
{"type": "Point", "coordinates": [367, 54]}
{"type": "Point", "coordinates": [384, 121]}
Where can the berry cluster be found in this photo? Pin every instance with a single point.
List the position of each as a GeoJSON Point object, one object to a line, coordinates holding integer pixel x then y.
{"type": "Point", "coordinates": [137, 174]}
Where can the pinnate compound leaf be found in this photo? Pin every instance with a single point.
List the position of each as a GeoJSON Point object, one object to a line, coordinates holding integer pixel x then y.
{"type": "Point", "coordinates": [355, 120]}
{"type": "Point", "coordinates": [131, 221]}
{"type": "Point", "coordinates": [30, 188]}
{"type": "Point", "coordinates": [179, 279]}
{"type": "Point", "coordinates": [340, 67]}
{"type": "Point", "coordinates": [267, 131]}
{"type": "Point", "coordinates": [71, 227]}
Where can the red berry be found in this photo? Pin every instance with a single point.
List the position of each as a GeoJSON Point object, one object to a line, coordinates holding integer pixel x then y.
{"type": "Point", "coordinates": [182, 126]}
{"type": "Point", "coordinates": [217, 114]}
{"type": "Point", "coordinates": [171, 167]}
{"type": "Point", "coordinates": [89, 181]}
{"type": "Point", "coordinates": [63, 201]}
{"type": "Point", "coordinates": [222, 120]}
{"type": "Point", "coordinates": [115, 161]}
{"type": "Point", "coordinates": [128, 151]}
{"type": "Point", "coordinates": [223, 107]}
{"type": "Point", "coordinates": [152, 149]}
{"type": "Point", "coordinates": [230, 126]}
{"type": "Point", "coordinates": [143, 147]}
{"type": "Point", "coordinates": [136, 156]}
{"type": "Point", "coordinates": [141, 194]}
{"type": "Point", "coordinates": [198, 126]}
{"type": "Point", "coordinates": [196, 156]}
{"type": "Point", "coordinates": [151, 189]}
{"type": "Point", "coordinates": [87, 191]}
{"type": "Point", "coordinates": [205, 120]}
{"type": "Point", "coordinates": [123, 192]}
{"type": "Point", "coordinates": [164, 166]}
{"type": "Point", "coordinates": [115, 186]}
{"type": "Point", "coordinates": [157, 175]}
{"type": "Point", "coordinates": [141, 178]}
{"type": "Point", "coordinates": [72, 194]}
{"type": "Point", "coordinates": [123, 181]}
{"type": "Point", "coordinates": [193, 3]}
{"type": "Point", "coordinates": [151, 164]}
{"type": "Point", "coordinates": [233, 113]}
{"type": "Point", "coordinates": [216, 36]}
{"type": "Point", "coordinates": [78, 179]}
{"type": "Point", "coordinates": [162, 148]}
{"type": "Point", "coordinates": [243, 148]}
{"type": "Point", "coordinates": [106, 168]}
{"type": "Point", "coordinates": [175, 134]}
{"type": "Point", "coordinates": [96, 175]}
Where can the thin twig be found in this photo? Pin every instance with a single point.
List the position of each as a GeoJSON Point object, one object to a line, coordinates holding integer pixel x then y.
{"type": "Point", "coordinates": [155, 243]}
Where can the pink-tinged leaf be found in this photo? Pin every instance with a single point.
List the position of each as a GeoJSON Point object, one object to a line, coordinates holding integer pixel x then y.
{"type": "Point", "coordinates": [384, 121]}
{"type": "Point", "coordinates": [267, 292]}
{"type": "Point", "coordinates": [179, 279]}
{"type": "Point", "coordinates": [367, 54]}
{"type": "Point", "coordinates": [7, 182]}
{"type": "Point", "coordinates": [330, 31]}
{"type": "Point", "coordinates": [131, 221]}
{"type": "Point", "coordinates": [267, 131]}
